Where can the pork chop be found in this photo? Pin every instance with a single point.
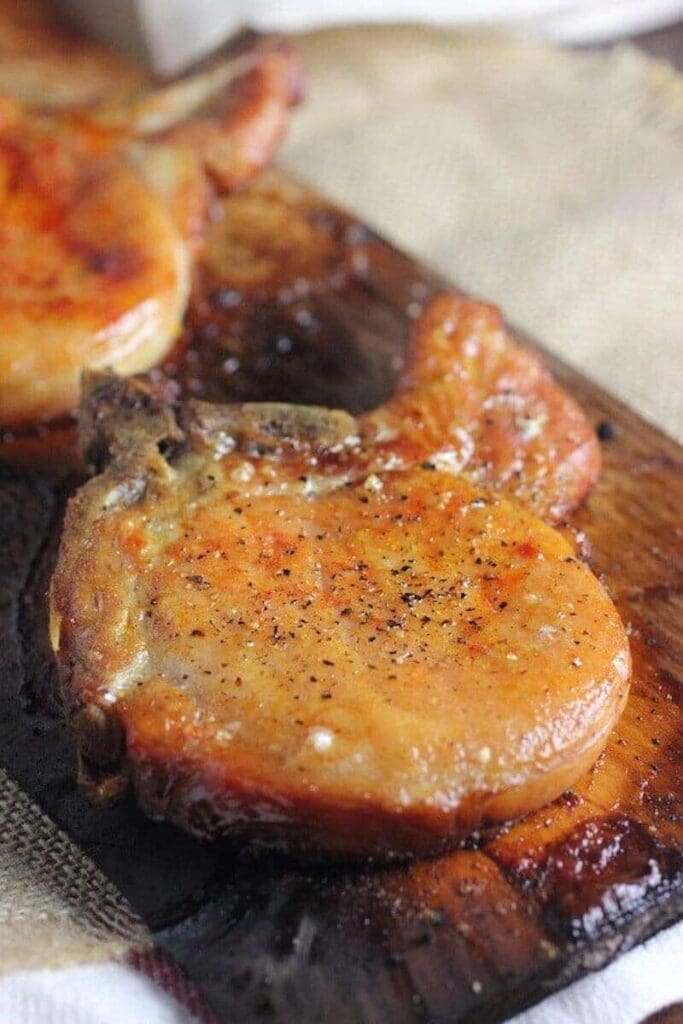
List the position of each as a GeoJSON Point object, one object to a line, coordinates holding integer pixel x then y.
{"type": "Point", "coordinates": [103, 214]}
{"type": "Point", "coordinates": [266, 640]}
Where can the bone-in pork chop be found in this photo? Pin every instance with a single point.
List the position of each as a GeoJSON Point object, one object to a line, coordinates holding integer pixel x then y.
{"type": "Point", "coordinates": [103, 214]}
{"type": "Point", "coordinates": [266, 640]}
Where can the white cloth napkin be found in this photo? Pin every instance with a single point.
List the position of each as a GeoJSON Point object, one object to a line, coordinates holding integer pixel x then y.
{"type": "Point", "coordinates": [94, 994]}
{"type": "Point", "coordinates": [644, 980]}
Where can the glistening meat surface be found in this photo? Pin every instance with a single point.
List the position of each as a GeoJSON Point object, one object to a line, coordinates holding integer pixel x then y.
{"type": "Point", "coordinates": [475, 401]}
{"type": "Point", "coordinates": [104, 211]}
{"type": "Point", "coordinates": [266, 639]}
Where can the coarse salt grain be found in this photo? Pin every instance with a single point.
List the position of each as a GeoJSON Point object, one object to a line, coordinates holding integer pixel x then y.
{"type": "Point", "coordinates": [243, 473]}
{"type": "Point", "coordinates": [373, 483]}
{"type": "Point", "coordinates": [321, 739]}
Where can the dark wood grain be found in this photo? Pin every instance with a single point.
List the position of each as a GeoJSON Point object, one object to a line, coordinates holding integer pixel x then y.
{"type": "Point", "coordinates": [475, 934]}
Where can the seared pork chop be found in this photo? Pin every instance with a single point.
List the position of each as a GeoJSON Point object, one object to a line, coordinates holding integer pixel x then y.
{"type": "Point", "coordinates": [93, 270]}
{"type": "Point", "coordinates": [266, 639]}
{"type": "Point", "coordinates": [103, 213]}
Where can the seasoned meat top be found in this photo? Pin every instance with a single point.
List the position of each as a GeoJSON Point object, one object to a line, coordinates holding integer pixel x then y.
{"type": "Point", "coordinates": [286, 642]}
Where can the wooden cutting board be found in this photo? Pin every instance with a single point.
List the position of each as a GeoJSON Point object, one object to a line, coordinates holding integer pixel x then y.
{"type": "Point", "coordinates": [302, 303]}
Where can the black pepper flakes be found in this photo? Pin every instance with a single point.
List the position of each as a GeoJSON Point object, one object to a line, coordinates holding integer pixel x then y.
{"type": "Point", "coordinates": [198, 581]}
{"type": "Point", "coordinates": [605, 430]}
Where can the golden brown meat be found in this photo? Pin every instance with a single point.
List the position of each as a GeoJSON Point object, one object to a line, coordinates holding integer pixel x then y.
{"type": "Point", "coordinates": [103, 212]}
{"type": "Point", "coordinates": [93, 271]}
{"type": "Point", "coordinates": [474, 401]}
{"type": "Point", "coordinates": [266, 640]}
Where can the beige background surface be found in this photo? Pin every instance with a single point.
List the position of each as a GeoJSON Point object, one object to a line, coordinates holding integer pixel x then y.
{"type": "Point", "coordinates": [547, 181]}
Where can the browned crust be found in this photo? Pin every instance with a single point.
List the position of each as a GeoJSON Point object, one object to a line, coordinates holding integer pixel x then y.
{"type": "Point", "coordinates": [141, 435]}
{"type": "Point", "coordinates": [465, 377]}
